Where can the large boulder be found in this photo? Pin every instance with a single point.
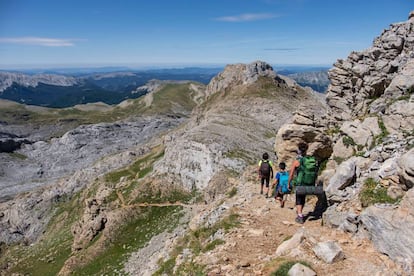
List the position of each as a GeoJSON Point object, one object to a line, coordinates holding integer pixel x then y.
{"type": "Point", "coordinates": [406, 169]}
{"type": "Point", "coordinates": [390, 230]}
{"type": "Point", "coordinates": [303, 129]}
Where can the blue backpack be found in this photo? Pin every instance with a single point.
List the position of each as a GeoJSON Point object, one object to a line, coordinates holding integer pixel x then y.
{"type": "Point", "coordinates": [284, 182]}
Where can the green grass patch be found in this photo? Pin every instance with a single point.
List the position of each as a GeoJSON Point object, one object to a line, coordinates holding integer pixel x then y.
{"type": "Point", "coordinates": [379, 139]}
{"type": "Point", "coordinates": [239, 154]}
{"type": "Point", "coordinates": [211, 245]}
{"type": "Point", "coordinates": [190, 268]}
{"type": "Point", "coordinates": [372, 192]}
{"type": "Point", "coordinates": [138, 169]}
{"type": "Point", "coordinates": [269, 135]}
{"type": "Point", "coordinates": [162, 195]}
{"type": "Point", "coordinates": [286, 266]}
{"type": "Point", "coordinates": [47, 256]}
{"type": "Point", "coordinates": [338, 159]}
{"type": "Point", "coordinates": [132, 235]}
{"type": "Point", "coordinates": [232, 192]}
{"type": "Point", "coordinates": [348, 141]}
{"type": "Point", "coordinates": [173, 97]}
{"type": "Point", "coordinates": [196, 241]}
{"type": "Point", "coordinates": [18, 155]}
{"type": "Point", "coordinates": [332, 131]}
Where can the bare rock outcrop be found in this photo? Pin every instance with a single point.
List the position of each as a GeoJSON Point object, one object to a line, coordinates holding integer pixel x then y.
{"type": "Point", "coordinates": [367, 75]}
{"type": "Point", "coordinates": [46, 162]}
{"type": "Point", "coordinates": [390, 229]}
{"type": "Point", "coordinates": [370, 116]}
{"type": "Point", "coordinates": [92, 222]}
{"type": "Point", "coordinates": [239, 74]}
{"type": "Point", "coordinates": [305, 128]}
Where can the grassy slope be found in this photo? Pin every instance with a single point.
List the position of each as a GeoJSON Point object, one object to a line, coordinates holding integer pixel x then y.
{"type": "Point", "coordinates": [173, 99]}
{"type": "Point", "coordinates": [48, 255]}
{"type": "Point", "coordinates": [109, 249]}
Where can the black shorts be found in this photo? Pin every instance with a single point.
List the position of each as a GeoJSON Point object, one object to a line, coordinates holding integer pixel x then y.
{"type": "Point", "coordinates": [300, 199]}
{"type": "Point", "coordinates": [265, 180]}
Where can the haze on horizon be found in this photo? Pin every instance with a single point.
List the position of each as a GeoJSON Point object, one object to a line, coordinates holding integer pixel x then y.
{"type": "Point", "coordinates": [161, 33]}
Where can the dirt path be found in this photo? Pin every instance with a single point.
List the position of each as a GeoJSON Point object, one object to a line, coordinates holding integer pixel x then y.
{"type": "Point", "coordinates": [250, 249]}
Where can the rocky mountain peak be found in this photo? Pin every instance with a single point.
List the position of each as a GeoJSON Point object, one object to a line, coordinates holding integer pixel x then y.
{"type": "Point", "coordinates": [239, 74]}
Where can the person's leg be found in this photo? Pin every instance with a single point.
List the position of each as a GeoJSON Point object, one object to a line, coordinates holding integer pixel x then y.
{"type": "Point", "coordinates": [261, 185]}
{"type": "Point", "coordinates": [267, 180]}
{"type": "Point", "coordinates": [300, 202]}
{"type": "Point", "coordinates": [283, 200]}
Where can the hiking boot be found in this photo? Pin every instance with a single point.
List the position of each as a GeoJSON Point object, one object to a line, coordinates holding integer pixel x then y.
{"type": "Point", "coordinates": [282, 204]}
{"type": "Point", "coordinates": [261, 192]}
{"type": "Point", "coordinates": [299, 220]}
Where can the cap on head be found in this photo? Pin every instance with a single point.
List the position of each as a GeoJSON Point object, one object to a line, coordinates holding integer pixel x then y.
{"type": "Point", "coordinates": [265, 156]}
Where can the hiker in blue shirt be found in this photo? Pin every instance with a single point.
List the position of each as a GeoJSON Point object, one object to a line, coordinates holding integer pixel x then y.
{"type": "Point", "coordinates": [282, 184]}
{"type": "Point", "coordinates": [265, 171]}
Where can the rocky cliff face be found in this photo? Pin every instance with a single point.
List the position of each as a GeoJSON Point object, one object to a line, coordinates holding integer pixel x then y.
{"type": "Point", "coordinates": [368, 139]}
{"type": "Point", "coordinates": [7, 79]}
{"type": "Point", "coordinates": [381, 71]}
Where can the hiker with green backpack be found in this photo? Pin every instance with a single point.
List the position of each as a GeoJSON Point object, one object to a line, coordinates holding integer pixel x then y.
{"type": "Point", "coordinates": [281, 182]}
{"type": "Point", "coordinates": [303, 174]}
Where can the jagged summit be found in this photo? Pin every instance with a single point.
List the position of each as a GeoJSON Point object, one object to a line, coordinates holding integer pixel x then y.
{"type": "Point", "coordinates": [240, 74]}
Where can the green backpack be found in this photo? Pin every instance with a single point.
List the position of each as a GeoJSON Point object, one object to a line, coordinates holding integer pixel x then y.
{"type": "Point", "coordinates": [307, 172]}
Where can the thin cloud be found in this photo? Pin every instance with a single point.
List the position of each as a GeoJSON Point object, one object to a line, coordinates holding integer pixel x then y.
{"type": "Point", "coordinates": [281, 49]}
{"type": "Point", "coordinates": [246, 17]}
{"type": "Point", "coordinates": [40, 41]}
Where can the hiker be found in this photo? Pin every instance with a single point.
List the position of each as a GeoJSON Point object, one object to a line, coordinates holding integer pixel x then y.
{"type": "Point", "coordinates": [303, 173]}
{"type": "Point", "coordinates": [265, 171]}
{"type": "Point", "coordinates": [281, 183]}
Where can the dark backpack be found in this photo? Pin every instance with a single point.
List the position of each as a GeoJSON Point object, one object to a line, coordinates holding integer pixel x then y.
{"type": "Point", "coordinates": [307, 172]}
{"type": "Point", "coordinates": [265, 168]}
{"type": "Point", "coordinates": [284, 182]}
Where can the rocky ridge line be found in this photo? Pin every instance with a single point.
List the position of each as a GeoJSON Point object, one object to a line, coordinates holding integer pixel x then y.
{"type": "Point", "coordinates": [370, 124]}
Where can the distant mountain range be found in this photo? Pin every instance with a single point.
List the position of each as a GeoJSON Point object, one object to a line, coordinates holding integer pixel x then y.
{"type": "Point", "coordinates": [68, 87]}
{"type": "Point", "coordinates": [317, 80]}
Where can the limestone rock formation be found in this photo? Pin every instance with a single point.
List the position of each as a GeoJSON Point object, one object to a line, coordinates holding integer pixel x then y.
{"type": "Point", "coordinates": [239, 74]}
{"type": "Point", "coordinates": [370, 116]}
{"type": "Point", "coordinates": [383, 69]}
{"type": "Point", "coordinates": [47, 162]}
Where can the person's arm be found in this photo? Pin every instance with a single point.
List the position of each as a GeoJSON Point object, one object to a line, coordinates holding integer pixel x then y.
{"type": "Point", "coordinates": [271, 170]}
{"type": "Point", "coordinates": [275, 181]}
{"type": "Point", "coordinates": [295, 164]}
{"type": "Point", "coordinates": [258, 169]}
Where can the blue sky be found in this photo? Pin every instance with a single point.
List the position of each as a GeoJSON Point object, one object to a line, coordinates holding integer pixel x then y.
{"type": "Point", "coordinates": [170, 33]}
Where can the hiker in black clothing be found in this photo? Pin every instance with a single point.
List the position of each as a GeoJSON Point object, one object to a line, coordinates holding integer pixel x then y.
{"type": "Point", "coordinates": [265, 171]}
{"type": "Point", "coordinates": [303, 172]}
